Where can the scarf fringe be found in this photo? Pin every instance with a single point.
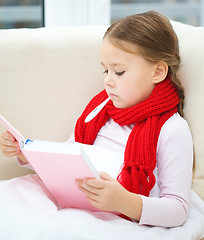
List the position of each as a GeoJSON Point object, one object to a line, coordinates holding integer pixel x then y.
{"type": "Point", "coordinates": [136, 180]}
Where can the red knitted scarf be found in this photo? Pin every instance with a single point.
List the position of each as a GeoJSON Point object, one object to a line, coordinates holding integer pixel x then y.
{"type": "Point", "coordinates": [148, 117]}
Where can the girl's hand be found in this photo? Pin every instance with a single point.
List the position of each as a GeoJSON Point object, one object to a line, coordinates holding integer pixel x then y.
{"type": "Point", "coordinates": [106, 193]}
{"type": "Point", "coordinates": [10, 146]}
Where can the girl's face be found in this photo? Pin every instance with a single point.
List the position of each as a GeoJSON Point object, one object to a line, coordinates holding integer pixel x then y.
{"type": "Point", "coordinates": [128, 77]}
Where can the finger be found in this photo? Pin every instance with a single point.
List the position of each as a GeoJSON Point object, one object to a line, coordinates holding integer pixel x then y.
{"type": "Point", "coordinates": [81, 183]}
{"type": "Point", "coordinates": [8, 149]}
{"type": "Point", "coordinates": [9, 144]}
{"type": "Point", "coordinates": [11, 154]}
{"type": "Point", "coordinates": [6, 142]}
{"type": "Point", "coordinates": [93, 202]}
{"type": "Point", "coordinates": [87, 193]}
{"type": "Point", "coordinates": [7, 139]}
{"type": "Point", "coordinates": [94, 182]}
{"type": "Point", "coordinates": [91, 189]}
{"type": "Point", "coordinates": [106, 176]}
{"type": "Point", "coordinates": [8, 136]}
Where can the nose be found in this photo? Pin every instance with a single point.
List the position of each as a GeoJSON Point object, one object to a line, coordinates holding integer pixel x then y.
{"type": "Point", "coordinates": [109, 81]}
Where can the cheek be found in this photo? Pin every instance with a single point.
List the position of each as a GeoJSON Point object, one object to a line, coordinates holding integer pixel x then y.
{"type": "Point", "coordinates": [137, 90]}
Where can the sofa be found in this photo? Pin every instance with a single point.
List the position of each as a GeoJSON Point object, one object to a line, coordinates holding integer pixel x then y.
{"type": "Point", "coordinates": [47, 76]}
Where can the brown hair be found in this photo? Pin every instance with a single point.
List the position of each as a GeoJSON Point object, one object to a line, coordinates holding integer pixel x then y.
{"type": "Point", "coordinates": [157, 41]}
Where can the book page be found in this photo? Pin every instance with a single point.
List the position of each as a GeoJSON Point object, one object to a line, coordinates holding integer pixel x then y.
{"type": "Point", "coordinates": [105, 160]}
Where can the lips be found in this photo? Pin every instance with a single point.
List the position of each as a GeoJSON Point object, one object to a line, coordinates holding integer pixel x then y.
{"type": "Point", "coordinates": [112, 95]}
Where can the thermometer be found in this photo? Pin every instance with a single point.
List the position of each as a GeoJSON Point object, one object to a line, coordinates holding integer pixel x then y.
{"type": "Point", "coordinates": [96, 111]}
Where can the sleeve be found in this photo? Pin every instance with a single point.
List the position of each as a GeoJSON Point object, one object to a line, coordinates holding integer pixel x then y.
{"type": "Point", "coordinates": [22, 164]}
{"type": "Point", "coordinates": [174, 163]}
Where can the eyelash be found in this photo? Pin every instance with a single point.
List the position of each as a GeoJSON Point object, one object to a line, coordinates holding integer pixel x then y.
{"type": "Point", "coordinates": [117, 73]}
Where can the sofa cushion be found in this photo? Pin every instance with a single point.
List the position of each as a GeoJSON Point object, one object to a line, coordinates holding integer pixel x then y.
{"type": "Point", "coordinates": [191, 73]}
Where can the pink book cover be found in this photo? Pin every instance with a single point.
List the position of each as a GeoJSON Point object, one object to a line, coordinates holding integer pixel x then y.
{"type": "Point", "coordinates": [18, 136]}
{"type": "Point", "coordinates": [59, 170]}
{"type": "Point", "coordinates": [58, 165]}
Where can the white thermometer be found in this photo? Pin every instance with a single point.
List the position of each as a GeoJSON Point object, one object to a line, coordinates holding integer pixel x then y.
{"type": "Point", "coordinates": [96, 111]}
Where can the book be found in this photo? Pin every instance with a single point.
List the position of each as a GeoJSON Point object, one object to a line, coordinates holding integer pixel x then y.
{"type": "Point", "coordinates": [59, 164]}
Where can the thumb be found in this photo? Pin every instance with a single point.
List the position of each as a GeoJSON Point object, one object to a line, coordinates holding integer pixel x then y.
{"type": "Point", "coordinates": [106, 176]}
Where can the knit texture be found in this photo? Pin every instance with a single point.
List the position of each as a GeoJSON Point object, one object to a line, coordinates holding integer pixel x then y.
{"type": "Point", "coordinates": [148, 118]}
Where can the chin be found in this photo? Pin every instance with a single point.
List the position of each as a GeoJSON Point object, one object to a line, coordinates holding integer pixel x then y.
{"type": "Point", "coordinates": [118, 105]}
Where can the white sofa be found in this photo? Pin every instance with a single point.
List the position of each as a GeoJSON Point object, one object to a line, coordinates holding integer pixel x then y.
{"type": "Point", "coordinates": [47, 76]}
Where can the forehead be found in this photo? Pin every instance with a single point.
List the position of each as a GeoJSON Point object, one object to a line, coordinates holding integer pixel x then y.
{"type": "Point", "coordinates": [114, 54]}
{"type": "Point", "coordinates": [122, 45]}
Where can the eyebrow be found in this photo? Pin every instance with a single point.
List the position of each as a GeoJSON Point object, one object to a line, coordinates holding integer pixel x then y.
{"type": "Point", "coordinates": [115, 64]}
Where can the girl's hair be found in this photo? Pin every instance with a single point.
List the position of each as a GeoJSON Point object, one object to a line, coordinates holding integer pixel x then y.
{"type": "Point", "coordinates": [154, 35]}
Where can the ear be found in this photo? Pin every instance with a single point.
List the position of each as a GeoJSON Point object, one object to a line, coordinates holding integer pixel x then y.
{"type": "Point", "coordinates": [160, 72]}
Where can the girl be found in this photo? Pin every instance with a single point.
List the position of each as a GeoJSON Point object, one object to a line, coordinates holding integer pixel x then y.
{"type": "Point", "coordinates": [142, 119]}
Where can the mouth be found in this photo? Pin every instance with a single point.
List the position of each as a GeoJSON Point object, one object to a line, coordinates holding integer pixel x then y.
{"type": "Point", "coordinates": [111, 95]}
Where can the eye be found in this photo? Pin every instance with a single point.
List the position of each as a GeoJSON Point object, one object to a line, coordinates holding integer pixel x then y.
{"type": "Point", "coordinates": [119, 73]}
{"type": "Point", "coordinates": [105, 72]}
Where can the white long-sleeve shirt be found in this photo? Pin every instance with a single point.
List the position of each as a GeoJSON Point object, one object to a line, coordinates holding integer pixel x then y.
{"type": "Point", "coordinates": [168, 202]}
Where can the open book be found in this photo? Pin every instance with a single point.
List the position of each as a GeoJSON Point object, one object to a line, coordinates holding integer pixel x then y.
{"type": "Point", "coordinates": [59, 164]}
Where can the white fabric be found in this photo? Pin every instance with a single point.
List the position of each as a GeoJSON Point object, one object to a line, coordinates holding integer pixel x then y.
{"type": "Point", "coordinates": [27, 214]}
{"type": "Point", "coordinates": [31, 214]}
